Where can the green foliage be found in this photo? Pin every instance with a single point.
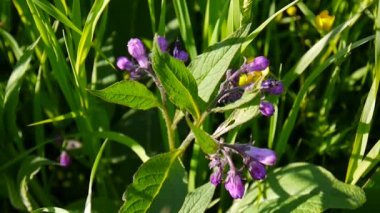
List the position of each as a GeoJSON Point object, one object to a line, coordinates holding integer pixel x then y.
{"type": "Point", "coordinates": [128, 93]}
{"type": "Point", "coordinates": [300, 187]}
{"type": "Point", "coordinates": [57, 59]}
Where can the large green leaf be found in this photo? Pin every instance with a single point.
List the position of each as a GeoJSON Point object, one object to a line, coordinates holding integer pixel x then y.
{"type": "Point", "coordinates": [237, 117]}
{"type": "Point", "coordinates": [157, 184]}
{"type": "Point", "coordinates": [300, 187]}
{"type": "Point", "coordinates": [199, 199]}
{"type": "Point", "coordinates": [177, 80]}
{"type": "Point", "coordinates": [209, 67]}
{"type": "Point", "coordinates": [205, 141]}
{"type": "Point", "coordinates": [128, 93]}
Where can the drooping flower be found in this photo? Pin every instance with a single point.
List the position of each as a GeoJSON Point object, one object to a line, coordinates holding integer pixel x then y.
{"type": "Point", "coordinates": [265, 156]}
{"type": "Point", "coordinates": [216, 176]}
{"type": "Point", "coordinates": [234, 184]}
{"type": "Point", "coordinates": [324, 21]}
{"type": "Point", "coordinates": [266, 108]}
{"type": "Point", "coordinates": [178, 53]}
{"type": "Point", "coordinates": [64, 159]}
{"type": "Point", "coordinates": [137, 50]}
{"type": "Point", "coordinates": [162, 43]}
{"type": "Point", "coordinates": [272, 87]}
{"type": "Point", "coordinates": [260, 63]}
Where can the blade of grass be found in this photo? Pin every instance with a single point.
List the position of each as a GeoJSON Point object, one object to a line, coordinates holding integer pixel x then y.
{"type": "Point", "coordinates": [368, 163]}
{"type": "Point", "coordinates": [185, 28]}
{"type": "Point", "coordinates": [161, 26]}
{"type": "Point", "coordinates": [66, 116]}
{"type": "Point", "coordinates": [87, 208]}
{"type": "Point", "coordinates": [7, 37]}
{"type": "Point", "coordinates": [57, 14]}
{"type": "Point", "coordinates": [152, 13]}
{"type": "Point", "coordinates": [282, 142]}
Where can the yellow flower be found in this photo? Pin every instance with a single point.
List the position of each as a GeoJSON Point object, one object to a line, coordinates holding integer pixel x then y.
{"type": "Point", "coordinates": [252, 77]}
{"type": "Point", "coordinates": [291, 11]}
{"type": "Point", "coordinates": [324, 21]}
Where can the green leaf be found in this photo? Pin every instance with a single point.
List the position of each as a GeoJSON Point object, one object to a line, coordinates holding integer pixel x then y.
{"type": "Point", "coordinates": [209, 67]}
{"type": "Point", "coordinates": [56, 13]}
{"type": "Point", "coordinates": [205, 141]}
{"type": "Point", "coordinates": [87, 208]}
{"type": "Point", "coordinates": [158, 183]}
{"type": "Point", "coordinates": [237, 117]}
{"type": "Point", "coordinates": [124, 140]}
{"type": "Point", "coordinates": [300, 187]}
{"type": "Point", "coordinates": [177, 81]}
{"type": "Point", "coordinates": [29, 168]}
{"type": "Point", "coordinates": [199, 199]}
{"type": "Point", "coordinates": [51, 210]}
{"type": "Point", "coordinates": [368, 163]}
{"type": "Point", "coordinates": [128, 93]}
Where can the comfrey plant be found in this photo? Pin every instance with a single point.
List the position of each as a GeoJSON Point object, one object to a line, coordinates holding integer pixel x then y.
{"type": "Point", "coordinates": [243, 91]}
{"type": "Point", "coordinates": [254, 159]}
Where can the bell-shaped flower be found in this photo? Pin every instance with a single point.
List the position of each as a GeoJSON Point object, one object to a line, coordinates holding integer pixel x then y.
{"type": "Point", "coordinates": [256, 170]}
{"type": "Point", "coordinates": [234, 184]}
{"type": "Point", "coordinates": [123, 63]}
{"type": "Point", "coordinates": [162, 43]}
{"type": "Point", "coordinates": [64, 159]}
{"type": "Point", "coordinates": [178, 53]}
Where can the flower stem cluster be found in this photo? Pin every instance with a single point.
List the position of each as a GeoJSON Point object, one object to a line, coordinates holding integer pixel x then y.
{"type": "Point", "coordinates": [249, 76]}
{"type": "Point", "coordinates": [254, 159]}
{"type": "Point", "coordinates": [140, 63]}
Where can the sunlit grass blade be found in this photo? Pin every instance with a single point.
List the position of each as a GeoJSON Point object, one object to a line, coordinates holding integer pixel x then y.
{"type": "Point", "coordinates": [124, 140]}
{"type": "Point", "coordinates": [87, 208]}
{"type": "Point", "coordinates": [7, 37]}
{"type": "Point", "coordinates": [182, 13]}
{"type": "Point", "coordinates": [66, 116]}
{"type": "Point", "coordinates": [51, 210]}
{"type": "Point", "coordinates": [282, 142]}
{"type": "Point", "coordinates": [368, 163]}
{"type": "Point", "coordinates": [161, 25]}
{"type": "Point", "coordinates": [56, 13]}
{"type": "Point", "coordinates": [152, 13]}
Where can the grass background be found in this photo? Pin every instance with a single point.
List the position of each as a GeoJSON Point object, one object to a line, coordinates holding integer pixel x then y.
{"type": "Point", "coordinates": [327, 115]}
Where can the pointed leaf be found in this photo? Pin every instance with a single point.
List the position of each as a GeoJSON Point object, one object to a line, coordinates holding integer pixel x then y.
{"type": "Point", "coordinates": [199, 199]}
{"type": "Point", "coordinates": [300, 187]}
{"type": "Point", "coordinates": [205, 141]}
{"type": "Point", "coordinates": [209, 67]}
{"type": "Point", "coordinates": [177, 81]}
{"type": "Point", "coordinates": [128, 93]}
{"type": "Point", "coordinates": [160, 172]}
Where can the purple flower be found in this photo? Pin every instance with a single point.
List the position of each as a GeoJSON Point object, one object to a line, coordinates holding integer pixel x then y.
{"type": "Point", "coordinates": [64, 159]}
{"type": "Point", "coordinates": [272, 87]}
{"type": "Point", "coordinates": [216, 176]}
{"type": "Point", "coordinates": [256, 170]}
{"type": "Point", "coordinates": [178, 53]}
{"type": "Point", "coordinates": [258, 64]}
{"type": "Point", "coordinates": [162, 43]}
{"type": "Point", "coordinates": [137, 51]}
{"type": "Point", "coordinates": [266, 108]}
{"type": "Point", "coordinates": [234, 184]}
{"type": "Point", "coordinates": [265, 156]}
{"type": "Point", "coordinates": [123, 63]}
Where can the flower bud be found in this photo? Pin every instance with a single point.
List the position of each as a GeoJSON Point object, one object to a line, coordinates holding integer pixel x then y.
{"type": "Point", "coordinates": [234, 184]}
{"type": "Point", "coordinates": [324, 21]}
{"type": "Point", "coordinates": [123, 63]}
{"type": "Point", "coordinates": [258, 64]}
{"type": "Point", "coordinates": [256, 170]}
{"type": "Point", "coordinates": [137, 51]}
{"type": "Point", "coordinates": [64, 159]}
{"type": "Point", "coordinates": [216, 176]}
{"type": "Point", "coordinates": [162, 43]}
{"type": "Point", "coordinates": [178, 53]}
{"type": "Point", "coordinates": [262, 155]}
{"type": "Point", "coordinates": [266, 108]}
{"type": "Point", "coordinates": [272, 87]}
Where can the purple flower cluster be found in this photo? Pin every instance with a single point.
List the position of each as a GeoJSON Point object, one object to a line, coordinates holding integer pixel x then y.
{"type": "Point", "coordinates": [140, 62]}
{"type": "Point", "coordinates": [254, 159]}
{"type": "Point", "coordinates": [251, 75]}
